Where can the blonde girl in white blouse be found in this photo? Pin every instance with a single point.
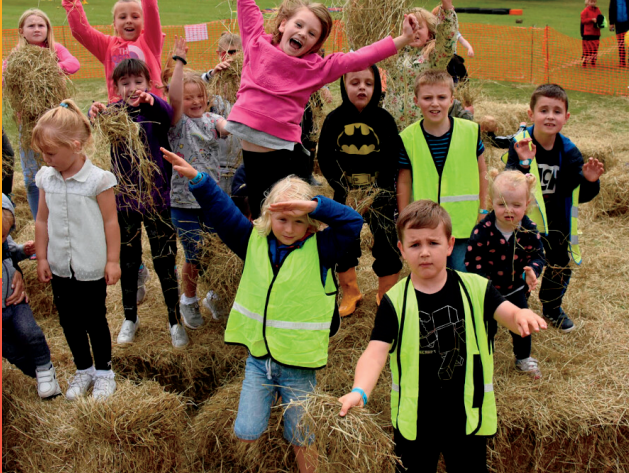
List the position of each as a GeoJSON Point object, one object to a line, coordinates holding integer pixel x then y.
{"type": "Point", "coordinates": [77, 241]}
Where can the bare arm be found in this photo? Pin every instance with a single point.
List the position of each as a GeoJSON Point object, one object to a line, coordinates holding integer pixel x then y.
{"type": "Point", "coordinates": [483, 184]}
{"type": "Point", "coordinates": [175, 89]}
{"type": "Point", "coordinates": [41, 239]}
{"type": "Point", "coordinates": [520, 321]}
{"type": "Point", "coordinates": [107, 204]}
{"type": "Point", "coordinates": [466, 44]}
{"type": "Point", "coordinates": [368, 371]}
{"type": "Point", "coordinates": [407, 36]}
{"type": "Point", "coordinates": [404, 188]}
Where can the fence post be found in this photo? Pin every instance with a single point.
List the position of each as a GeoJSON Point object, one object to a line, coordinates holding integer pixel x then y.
{"type": "Point", "coordinates": [547, 57]}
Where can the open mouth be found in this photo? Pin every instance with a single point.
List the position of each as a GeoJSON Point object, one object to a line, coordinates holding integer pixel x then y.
{"type": "Point", "coordinates": [295, 44]}
{"type": "Point", "coordinates": [130, 29]}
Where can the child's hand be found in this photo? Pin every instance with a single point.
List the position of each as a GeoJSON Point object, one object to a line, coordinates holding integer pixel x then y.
{"type": "Point", "coordinates": [112, 273]}
{"type": "Point", "coordinates": [294, 208]}
{"type": "Point", "coordinates": [43, 270]}
{"type": "Point", "coordinates": [409, 26]}
{"type": "Point", "coordinates": [593, 169]}
{"type": "Point", "coordinates": [95, 109]}
{"type": "Point", "coordinates": [526, 150]}
{"type": "Point", "coordinates": [221, 66]}
{"type": "Point", "coordinates": [220, 127]}
{"type": "Point", "coordinates": [180, 165]}
{"type": "Point", "coordinates": [350, 400]}
{"type": "Point", "coordinates": [142, 97]}
{"type": "Point", "coordinates": [528, 321]}
{"type": "Point", "coordinates": [326, 95]}
{"type": "Point", "coordinates": [470, 52]}
{"type": "Point", "coordinates": [18, 290]}
{"type": "Point", "coordinates": [29, 248]}
{"type": "Point", "coordinates": [180, 49]}
{"type": "Point", "coordinates": [530, 278]}
{"type": "Point", "coordinates": [447, 4]}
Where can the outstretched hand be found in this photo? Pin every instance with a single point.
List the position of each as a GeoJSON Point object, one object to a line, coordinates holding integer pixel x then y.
{"type": "Point", "coordinates": [142, 97]}
{"type": "Point", "coordinates": [593, 169]}
{"type": "Point", "coordinates": [526, 149]}
{"type": "Point", "coordinates": [530, 278]}
{"type": "Point", "coordinates": [294, 208]}
{"type": "Point", "coordinates": [180, 49]}
{"type": "Point", "coordinates": [528, 321]}
{"type": "Point", "coordinates": [180, 165]}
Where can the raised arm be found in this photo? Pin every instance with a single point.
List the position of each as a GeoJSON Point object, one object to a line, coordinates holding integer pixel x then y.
{"type": "Point", "coordinates": [250, 21]}
{"type": "Point", "coordinates": [93, 40]}
{"type": "Point", "coordinates": [153, 27]}
{"type": "Point", "coordinates": [175, 89]}
{"type": "Point", "coordinates": [66, 61]}
{"type": "Point", "coordinates": [445, 36]}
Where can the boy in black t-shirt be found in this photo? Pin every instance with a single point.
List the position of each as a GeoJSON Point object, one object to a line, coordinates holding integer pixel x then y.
{"type": "Point", "coordinates": [563, 181]}
{"type": "Point", "coordinates": [438, 326]}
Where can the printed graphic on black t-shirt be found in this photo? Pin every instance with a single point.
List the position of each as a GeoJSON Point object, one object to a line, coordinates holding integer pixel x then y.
{"type": "Point", "coordinates": [443, 331]}
{"type": "Point", "coordinates": [548, 178]}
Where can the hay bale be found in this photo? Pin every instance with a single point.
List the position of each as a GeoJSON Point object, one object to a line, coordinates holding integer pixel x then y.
{"type": "Point", "coordinates": [33, 84]}
{"type": "Point", "coordinates": [368, 21]}
{"type": "Point", "coordinates": [508, 115]}
{"type": "Point", "coordinates": [227, 82]}
{"type": "Point", "coordinates": [613, 200]}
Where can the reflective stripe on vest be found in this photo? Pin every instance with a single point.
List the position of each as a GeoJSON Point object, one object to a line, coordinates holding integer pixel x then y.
{"type": "Point", "coordinates": [287, 315]}
{"type": "Point", "coordinates": [457, 188]}
{"type": "Point", "coordinates": [478, 392]}
{"type": "Point", "coordinates": [538, 213]}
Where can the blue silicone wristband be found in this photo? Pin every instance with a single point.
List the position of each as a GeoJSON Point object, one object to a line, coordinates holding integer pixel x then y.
{"type": "Point", "coordinates": [196, 179]}
{"type": "Point", "coordinates": [483, 211]}
{"type": "Point", "coordinates": [362, 393]}
{"type": "Point", "coordinates": [525, 162]}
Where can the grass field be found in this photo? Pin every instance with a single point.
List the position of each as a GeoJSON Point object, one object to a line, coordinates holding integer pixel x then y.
{"type": "Point", "coordinates": [563, 15]}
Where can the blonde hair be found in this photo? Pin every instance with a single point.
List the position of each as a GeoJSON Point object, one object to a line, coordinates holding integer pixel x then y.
{"type": "Point", "coordinates": [229, 41]}
{"type": "Point", "coordinates": [137, 2]}
{"type": "Point", "coordinates": [488, 123]}
{"type": "Point", "coordinates": [434, 77]}
{"type": "Point", "coordinates": [289, 188]}
{"type": "Point", "coordinates": [189, 77]}
{"type": "Point", "coordinates": [50, 36]}
{"type": "Point", "coordinates": [513, 179]}
{"type": "Point", "coordinates": [431, 21]}
{"type": "Point", "coordinates": [62, 125]}
{"type": "Point", "coordinates": [289, 7]}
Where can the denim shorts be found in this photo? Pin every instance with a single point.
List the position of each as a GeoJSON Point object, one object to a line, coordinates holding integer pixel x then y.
{"type": "Point", "coordinates": [190, 229]}
{"type": "Point", "coordinates": [264, 379]}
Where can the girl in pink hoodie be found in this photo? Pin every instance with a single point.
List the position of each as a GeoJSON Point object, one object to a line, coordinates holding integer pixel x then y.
{"type": "Point", "coordinates": [34, 28]}
{"type": "Point", "coordinates": [280, 71]}
{"type": "Point", "coordinates": [132, 39]}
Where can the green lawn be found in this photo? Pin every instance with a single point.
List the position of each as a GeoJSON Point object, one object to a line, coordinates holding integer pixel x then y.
{"type": "Point", "coordinates": [562, 15]}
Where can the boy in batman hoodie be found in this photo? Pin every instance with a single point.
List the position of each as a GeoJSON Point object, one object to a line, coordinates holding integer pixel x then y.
{"type": "Point", "coordinates": [359, 147]}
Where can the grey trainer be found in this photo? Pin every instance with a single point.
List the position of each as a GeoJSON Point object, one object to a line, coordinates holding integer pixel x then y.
{"type": "Point", "coordinates": [179, 336]}
{"type": "Point", "coordinates": [191, 315]}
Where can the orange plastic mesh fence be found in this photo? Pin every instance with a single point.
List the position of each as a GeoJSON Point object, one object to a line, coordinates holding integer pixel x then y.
{"type": "Point", "coordinates": [505, 53]}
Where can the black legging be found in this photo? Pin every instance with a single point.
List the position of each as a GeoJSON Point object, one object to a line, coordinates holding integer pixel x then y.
{"type": "Point", "coordinates": [163, 241]}
{"type": "Point", "coordinates": [265, 169]}
{"type": "Point", "coordinates": [557, 273]}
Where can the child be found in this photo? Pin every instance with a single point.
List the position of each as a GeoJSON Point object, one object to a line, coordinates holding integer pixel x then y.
{"type": "Point", "coordinates": [34, 28]}
{"type": "Point", "coordinates": [280, 72]}
{"type": "Point", "coordinates": [23, 342]}
{"type": "Point", "coordinates": [285, 308]}
{"type": "Point", "coordinates": [228, 45]}
{"type": "Point", "coordinates": [359, 147]}
{"type": "Point", "coordinates": [77, 239]}
{"type": "Point", "coordinates": [437, 325]}
{"type": "Point", "coordinates": [195, 137]}
{"type": "Point", "coordinates": [138, 35]}
{"type": "Point", "coordinates": [563, 181]}
{"type": "Point", "coordinates": [132, 78]}
{"type": "Point", "coordinates": [432, 48]}
{"type": "Point", "coordinates": [590, 33]}
{"type": "Point", "coordinates": [445, 161]}
{"type": "Point", "coordinates": [619, 22]}
{"type": "Point", "coordinates": [506, 248]}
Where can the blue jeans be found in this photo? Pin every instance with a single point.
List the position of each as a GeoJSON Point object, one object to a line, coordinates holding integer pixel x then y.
{"type": "Point", "coordinates": [30, 166]}
{"type": "Point", "coordinates": [23, 342]}
{"type": "Point", "coordinates": [457, 259]}
{"type": "Point", "coordinates": [264, 378]}
{"type": "Point", "coordinates": [190, 228]}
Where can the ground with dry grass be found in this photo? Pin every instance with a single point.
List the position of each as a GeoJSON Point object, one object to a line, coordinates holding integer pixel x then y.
{"type": "Point", "coordinates": [174, 410]}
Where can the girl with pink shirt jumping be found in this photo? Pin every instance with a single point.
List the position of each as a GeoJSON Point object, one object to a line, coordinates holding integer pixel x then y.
{"type": "Point", "coordinates": [34, 28]}
{"type": "Point", "coordinates": [280, 71]}
{"type": "Point", "coordinates": [138, 35]}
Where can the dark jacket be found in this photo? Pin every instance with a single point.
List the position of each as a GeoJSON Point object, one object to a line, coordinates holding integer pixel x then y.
{"type": "Point", "coordinates": [487, 247]}
{"type": "Point", "coordinates": [570, 176]}
{"type": "Point", "coordinates": [338, 159]}
{"type": "Point", "coordinates": [619, 15]}
{"type": "Point", "coordinates": [155, 122]}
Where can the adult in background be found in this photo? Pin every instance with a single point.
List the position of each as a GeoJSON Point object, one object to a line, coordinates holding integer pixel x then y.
{"type": "Point", "coordinates": [619, 22]}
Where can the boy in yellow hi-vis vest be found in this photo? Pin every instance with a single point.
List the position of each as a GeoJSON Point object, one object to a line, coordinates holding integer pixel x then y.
{"type": "Point", "coordinates": [563, 181]}
{"type": "Point", "coordinates": [437, 327]}
{"type": "Point", "coordinates": [285, 308]}
{"type": "Point", "coordinates": [445, 161]}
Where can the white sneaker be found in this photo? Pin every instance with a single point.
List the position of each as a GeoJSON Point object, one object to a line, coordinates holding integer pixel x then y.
{"type": "Point", "coordinates": [47, 385]}
{"type": "Point", "coordinates": [529, 366]}
{"type": "Point", "coordinates": [103, 388]}
{"type": "Point", "coordinates": [144, 276]}
{"type": "Point", "coordinates": [127, 331]}
{"type": "Point", "coordinates": [179, 336]}
{"type": "Point", "coordinates": [79, 386]}
{"type": "Point", "coordinates": [191, 315]}
{"type": "Point", "coordinates": [210, 302]}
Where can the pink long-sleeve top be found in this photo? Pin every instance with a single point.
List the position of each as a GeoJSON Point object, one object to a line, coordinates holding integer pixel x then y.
{"type": "Point", "coordinates": [275, 87]}
{"type": "Point", "coordinates": [111, 50]}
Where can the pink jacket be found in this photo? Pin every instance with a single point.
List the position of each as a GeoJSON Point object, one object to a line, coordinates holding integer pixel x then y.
{"type": "Point", "coordinates": [275, 87]}
{"type": "Point", "coordinates": [111, 50]}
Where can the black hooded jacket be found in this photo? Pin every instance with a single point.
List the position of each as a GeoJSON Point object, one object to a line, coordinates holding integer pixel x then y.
{"type": "Point", "coordinates": [353, 142]}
